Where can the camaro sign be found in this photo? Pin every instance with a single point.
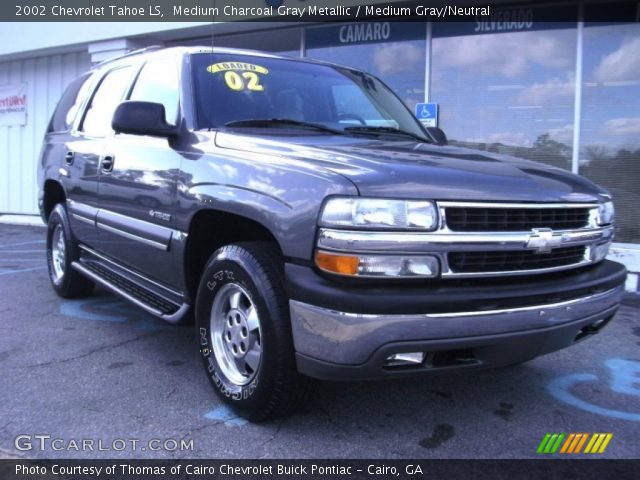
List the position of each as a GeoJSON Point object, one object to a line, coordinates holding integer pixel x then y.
{"type": "Point", "coordinates": [13, 104]}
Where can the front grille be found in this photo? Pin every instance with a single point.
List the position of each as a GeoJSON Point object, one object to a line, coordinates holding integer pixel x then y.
{"type": "Point", "coordinates": [493, 219]}
{"type": "Point", "coordinates": [472, 262]}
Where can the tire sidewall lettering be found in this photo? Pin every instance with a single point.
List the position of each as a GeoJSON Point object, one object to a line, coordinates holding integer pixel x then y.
{"type": "Point", "coordinates": [213, 283]}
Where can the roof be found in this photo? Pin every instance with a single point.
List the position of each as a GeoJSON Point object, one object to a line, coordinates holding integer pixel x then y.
{"type": "Point", "coordinates": [159, 50]}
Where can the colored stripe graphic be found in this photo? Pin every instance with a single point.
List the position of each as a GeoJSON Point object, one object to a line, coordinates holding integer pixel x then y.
{"type": "Point", "coordinates": [567, 444]}
{"type": "Point", "coordinates": [583, 439]}
{"type": "Point", "coordinates": [556, 445]}
{"type": "Point", "coordinates": [572, 443]}
{"type": "Point", "coordinates": [543, 443]}
{"type": "Point", "coordinates": [550, 443]}
{"type": "Point", "coordinates": [598, 443]}
{"type": "Point", "coordinates": [591, 443]}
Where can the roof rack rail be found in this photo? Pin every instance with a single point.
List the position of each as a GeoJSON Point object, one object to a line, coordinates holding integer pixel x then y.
{"type": "Point", "coordinates": [131, 53]}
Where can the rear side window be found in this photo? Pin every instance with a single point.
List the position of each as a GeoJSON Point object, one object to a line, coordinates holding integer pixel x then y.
{"type": "Point", "coordinates": [158, 82]}
{"type": "Point", "coordinates": [68, 106]}
{"type": "Point", "coordinates": [97, 119]}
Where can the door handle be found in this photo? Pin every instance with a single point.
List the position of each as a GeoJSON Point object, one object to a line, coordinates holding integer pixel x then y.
{"type": "Point", "coordinates": [68, 158]}
{"type": "Point", "coordinates": [107, 163]}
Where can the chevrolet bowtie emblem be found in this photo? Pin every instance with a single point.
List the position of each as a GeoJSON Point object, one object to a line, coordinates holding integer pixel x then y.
{"type": "Point", "coordinates": [543, 240]}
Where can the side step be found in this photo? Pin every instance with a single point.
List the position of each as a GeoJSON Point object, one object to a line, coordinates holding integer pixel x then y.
{"type": "Point", "coordinates": [144, 298]}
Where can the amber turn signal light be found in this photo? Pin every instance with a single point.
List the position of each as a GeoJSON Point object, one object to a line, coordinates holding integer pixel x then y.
{"type": "Point", "coordinates": [340, 264]}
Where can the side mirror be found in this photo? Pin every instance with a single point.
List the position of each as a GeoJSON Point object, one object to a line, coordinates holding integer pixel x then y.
{"type": "Point", "coordinates": [439, 137]}
{"type": "Point", "coordinates": [142, 118]}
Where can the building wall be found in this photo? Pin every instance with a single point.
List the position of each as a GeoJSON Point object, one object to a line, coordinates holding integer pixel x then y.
{"type": "Point", "coordinates": [46, 78]}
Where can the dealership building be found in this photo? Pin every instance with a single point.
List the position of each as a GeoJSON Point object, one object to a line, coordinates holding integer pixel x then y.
{"type": "Point", "coordinates": [550, 82]}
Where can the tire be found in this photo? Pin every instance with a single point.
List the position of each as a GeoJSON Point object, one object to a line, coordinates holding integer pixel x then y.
{"type": "Point", "coordinates": [244, 332]}
{"type": "Point", "coordinates": [62, 250]}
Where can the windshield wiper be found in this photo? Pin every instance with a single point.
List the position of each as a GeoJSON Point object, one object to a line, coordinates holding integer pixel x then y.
{"type": "Point", "coordinates": [377, 130]}
{"type": "Point", "coordinates": [269, 122]}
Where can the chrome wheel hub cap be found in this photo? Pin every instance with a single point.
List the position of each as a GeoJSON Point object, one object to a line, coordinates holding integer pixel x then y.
{"type": "Point", "coordinates": [58, 252]}
{"type": "Point", "coordinates": [235, 334]}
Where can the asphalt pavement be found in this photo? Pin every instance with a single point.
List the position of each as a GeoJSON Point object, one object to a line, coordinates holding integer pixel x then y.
{"type": "Point", "coordinates": [103, 371]}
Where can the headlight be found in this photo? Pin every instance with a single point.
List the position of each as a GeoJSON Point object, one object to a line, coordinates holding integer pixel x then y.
{"type": "Point", "coordinates": [606, 213]}
{"type": "Point", "coordinates": [379, 213]}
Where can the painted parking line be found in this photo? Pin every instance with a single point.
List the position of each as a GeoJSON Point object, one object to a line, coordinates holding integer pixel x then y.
{"type": "Point", "coordinates": [21, 259]}
{"type": "Point", "coordinates": [11, 252]}
{"type": "Point", "coordinates": [226, 415]}
{"type": "Point", "coordinates": [19, 244]}
{"type": "Point", "coordinates": [21, 270]}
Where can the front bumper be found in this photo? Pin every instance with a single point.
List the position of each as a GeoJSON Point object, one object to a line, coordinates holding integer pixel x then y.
{"type": "Point", "coordinates": [511, 325]}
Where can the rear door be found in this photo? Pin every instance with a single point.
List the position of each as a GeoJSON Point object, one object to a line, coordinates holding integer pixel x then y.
{"type": "Point", "coordinates": [85, 148]}
{"type": "Point", "coordinates": [138, 189]}
{"type": "Point", "coordinates": [58, 159]}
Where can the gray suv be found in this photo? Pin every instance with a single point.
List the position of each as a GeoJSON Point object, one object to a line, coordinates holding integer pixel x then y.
{"type": "Point", "coordinates": [312, 227]}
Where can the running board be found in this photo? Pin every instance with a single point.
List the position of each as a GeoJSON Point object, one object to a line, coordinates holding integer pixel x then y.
{"type": "Point", "coordinates": [149, 301]}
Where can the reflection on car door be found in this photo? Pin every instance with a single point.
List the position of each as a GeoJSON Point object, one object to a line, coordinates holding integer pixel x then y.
{"type": "Point", "coordinates": [84, 150]}
{"type": "Point", "coordinates": [137, 191]}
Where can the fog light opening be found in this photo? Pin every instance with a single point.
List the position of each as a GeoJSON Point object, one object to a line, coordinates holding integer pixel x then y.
{"type": "Point", "coordinates": [405, 359]}
{"type": "Point", "coordinates": [592, 328]}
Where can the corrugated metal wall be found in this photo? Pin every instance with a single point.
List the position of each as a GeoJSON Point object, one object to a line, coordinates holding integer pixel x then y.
{"type": "Point", "coordinates": [46, 79]}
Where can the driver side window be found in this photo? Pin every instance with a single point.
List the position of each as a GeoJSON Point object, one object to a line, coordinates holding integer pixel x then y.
{"type": "Point", "coordinates": [158, 82]}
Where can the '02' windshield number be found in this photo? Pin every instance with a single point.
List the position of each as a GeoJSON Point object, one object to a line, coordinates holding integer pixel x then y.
{"type": "Point", "coordinates": [239, 81]}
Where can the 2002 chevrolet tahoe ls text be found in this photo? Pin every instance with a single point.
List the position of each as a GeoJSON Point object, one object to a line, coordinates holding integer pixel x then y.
{"type": "Point", "coordinates": [312, 226]}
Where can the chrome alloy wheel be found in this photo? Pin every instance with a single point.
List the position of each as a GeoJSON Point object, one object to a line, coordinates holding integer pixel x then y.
{"type": "Point", "coordinates": [58, 252]}
{"type": "Point", "coordinates": [235, 334]}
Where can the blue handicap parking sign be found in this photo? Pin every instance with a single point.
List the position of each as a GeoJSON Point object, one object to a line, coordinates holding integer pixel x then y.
{"type": "Point", "coordinates": [427, 113]}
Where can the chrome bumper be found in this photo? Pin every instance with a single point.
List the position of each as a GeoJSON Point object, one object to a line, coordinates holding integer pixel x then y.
{"type": "Point", "coordinates": [351, 338]}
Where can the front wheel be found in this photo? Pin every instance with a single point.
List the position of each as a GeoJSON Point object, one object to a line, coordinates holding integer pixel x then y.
{"type": "Point", "coordinates": [244, 331]}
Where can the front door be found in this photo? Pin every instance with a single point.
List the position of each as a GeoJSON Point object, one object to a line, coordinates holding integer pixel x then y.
{"type": "Point", "coordinates": [137, 190]}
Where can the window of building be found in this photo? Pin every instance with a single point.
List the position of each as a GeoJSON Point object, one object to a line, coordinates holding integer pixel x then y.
{"type": "Point", "coordinates": [158, 82]}
{"type": "Point", "coordinates": [393, 51]}
{"type": "Point", "coordinates": [97, 119]}
{"type": "Point", "coordinates": [508, 87]}
{"type": "Point", "coordinates": [610, 119]}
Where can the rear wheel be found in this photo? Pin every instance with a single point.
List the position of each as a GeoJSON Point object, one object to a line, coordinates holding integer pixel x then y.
{"type": "Point", "coordinates": [245, 332]}
{"type": "Point", "coordinates": [62, 250]}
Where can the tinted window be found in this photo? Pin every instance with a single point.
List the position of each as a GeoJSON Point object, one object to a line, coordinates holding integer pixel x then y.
{"type": "Point", "coordinates": [236, 87]}
{"type": "Point", "coordinates": [97, 120]}
{"type": "Point", "coordinates": [68, 105]}
{"type": "Point", "coordinates": [158, 82]}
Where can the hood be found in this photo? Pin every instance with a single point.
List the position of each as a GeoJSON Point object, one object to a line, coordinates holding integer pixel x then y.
{"type": "Point", "coordinates": [409, 169]}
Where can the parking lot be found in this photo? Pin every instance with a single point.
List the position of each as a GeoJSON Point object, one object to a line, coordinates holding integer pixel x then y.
{"type": "Point", "coordinates": [101, 369]}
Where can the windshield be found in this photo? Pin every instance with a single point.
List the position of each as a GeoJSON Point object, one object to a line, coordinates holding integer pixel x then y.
{"type": "Point", "coordinates": [231, 89]}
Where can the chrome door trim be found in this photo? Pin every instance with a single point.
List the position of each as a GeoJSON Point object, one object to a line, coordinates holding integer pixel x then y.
{"type": "Point", "coordinates": [151, 234]}
{"type": "Point", "coordinates": [90, 221]}
{"type": "Point", "coordinates": [131, 236]}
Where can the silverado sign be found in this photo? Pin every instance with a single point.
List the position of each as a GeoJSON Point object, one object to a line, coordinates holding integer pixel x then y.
{"type": "Point", "coordinates": [13, 104]}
